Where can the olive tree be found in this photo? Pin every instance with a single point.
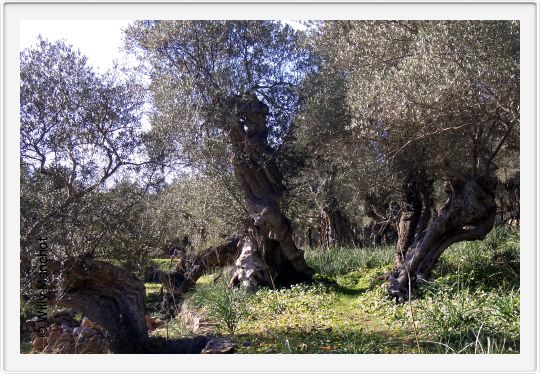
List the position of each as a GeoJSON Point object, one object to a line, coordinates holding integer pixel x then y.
{"type": "Point", "coordinates": [441, 100]}
{"type": "Point", "coordinates": [224, 94]}
{"type": "Point", "coordinates": [80, 132]}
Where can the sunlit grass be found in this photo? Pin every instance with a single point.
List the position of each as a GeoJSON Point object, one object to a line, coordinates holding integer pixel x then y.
{"type": "Point", "coordinates": [470, 305]}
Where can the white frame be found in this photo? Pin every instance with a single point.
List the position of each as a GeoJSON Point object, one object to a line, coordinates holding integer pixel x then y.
{"type": "Point", "coordinates": [14, 11]}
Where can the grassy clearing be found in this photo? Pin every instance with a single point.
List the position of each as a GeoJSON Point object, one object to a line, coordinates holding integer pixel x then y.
{"type": "Point", "coordinates": [471, 305]}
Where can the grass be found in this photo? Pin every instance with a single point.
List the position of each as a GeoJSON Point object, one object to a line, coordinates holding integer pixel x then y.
{"type": "Point", "coordinates": [336, 261]}
{"type": "Point", "coordinates": [165, 264]}
{"type": "Point", "coordinates": [225, 304]}
{"type": "Point", "coordinates": [470, 305]}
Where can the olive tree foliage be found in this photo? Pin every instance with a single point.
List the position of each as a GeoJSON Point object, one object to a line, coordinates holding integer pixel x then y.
{"type": "Point", "coordinates": [440, 101]}
{"type": "Point", "coordinates": [323, 182]}
{"type": "Point", "coordinates": [193, 207]}
{"type": "Point", "coordinates": [81, 145]}
{"type": "Point", "coordinates": [77, 128]}
{"type": "Point", "coordinates": [344, 172]}
{"type": "Point", "coordinates": [197, 67]}
{"type": "Point", "coordinates": [452, 87]}
{"type": "Point", "coordinates": [224, 94]}
{"type": "Point", "coordinates": [80, 134]}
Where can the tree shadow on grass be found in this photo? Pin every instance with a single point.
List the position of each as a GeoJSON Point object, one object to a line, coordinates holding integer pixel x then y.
{"type": "Point", "coordinates": [325, 340]}
{"type": "Point", "coordinates": [343, 289]}
{"type": "Point", "coordinates": [158, 345]}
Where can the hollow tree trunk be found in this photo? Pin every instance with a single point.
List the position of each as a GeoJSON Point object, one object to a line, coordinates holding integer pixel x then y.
{"type": "Point", "coordinates": [469, 214]}
{"type": "Point", "coordinates": [109, 297]}
{"type": "Point", "coordinates": [269, 256]}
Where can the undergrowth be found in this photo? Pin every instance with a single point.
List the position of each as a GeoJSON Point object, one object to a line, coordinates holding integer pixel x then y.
{"type": "Point", "coordinates": [469, 305]}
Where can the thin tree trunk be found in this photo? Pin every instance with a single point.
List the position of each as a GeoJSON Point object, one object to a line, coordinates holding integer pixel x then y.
{"type": "Point", "coordinates": [336, 227]}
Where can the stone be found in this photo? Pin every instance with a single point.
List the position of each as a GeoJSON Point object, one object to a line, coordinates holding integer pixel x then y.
{"type": "Point", "coordinates": [87, 323]}
{"type": "Point", "coordinates": [31, 324]}
{"type": "Point", "coordinates": [38, 343]}
{"type": "Point", "coordinates": [64, 317]}
{"type": "Point", "coordinates": [62, 339]}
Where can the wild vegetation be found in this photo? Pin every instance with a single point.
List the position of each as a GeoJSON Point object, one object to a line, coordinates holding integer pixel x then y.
{"type": "Point", "coordinates": [340, 187]}
{"type": "Point", "coordinates": [471, 305]}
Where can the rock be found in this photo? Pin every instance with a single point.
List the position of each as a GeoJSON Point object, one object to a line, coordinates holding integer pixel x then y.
{"type": "Point", "coordinates": [87, 323]}
{"type": "Point", "coordinates": [69, 337]}
{"type": "Point", "coordinates": [31, 324]}
{"type": "Point", "coordinates": [64, 317]}
{"type": "Point", "coordinates": [88, 332]}
{"type": "Point", "coordinates": [196, 321]}
{"type": "Point", "coordinates": [54, 334]}
{"type": "Point", "coordinates": [65, 344]}
{"type": "Point", "coordinates": [218, 346]}
{"type": "Point", "coordinates": [38, 343]}
{"type": "Point", "coordinates": [94, 344]}
{"type": "Point", "coordinates": [66, 327]}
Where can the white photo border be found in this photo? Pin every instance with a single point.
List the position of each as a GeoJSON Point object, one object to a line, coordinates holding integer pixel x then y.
{"type": "Point", "coordinates": [15, 11]}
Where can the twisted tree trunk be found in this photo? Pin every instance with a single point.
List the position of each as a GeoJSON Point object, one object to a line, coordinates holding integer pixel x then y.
{"type": "Point", "coordinates": [266, 254]}
{"type": "Point", "coordinates": [469, 214]}
{"type": "Point", "coordinates": [417, 209]}
{"type": "Point", "coordinates": [185, 276]}
{"type": "Point", "coordinates": [106, 295]}
{"type": "Point", "coordinates": [269, 256]}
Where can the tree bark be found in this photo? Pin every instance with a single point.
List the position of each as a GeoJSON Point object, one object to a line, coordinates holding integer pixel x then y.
{"type": "Point", "coordinates": [416, 212]}
{"type": "Point", "coordinates": [270, 240]}
{"type": "Point", "coordinates": [109, 297]}
{"type": "Point", "coordinates": [469, 214]}
{"type": "Point", "coordinates": [266, 254]}
{"type": "Point", "coordinates": [185, 276]}
{"type": "Point", "coordinates": [336, 228]}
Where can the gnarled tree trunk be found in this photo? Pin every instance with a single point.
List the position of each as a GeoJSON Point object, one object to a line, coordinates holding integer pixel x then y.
{"type": "Point", "coordinates": [266, 254]}
{"type": "Point", "coordinates": [416, 211]}
{"type": "Point", "coordinates": [269, 256]}
{"type": "Point", "coordinates": [185, 276]}
{"type": "Point", "coordinates": [469, 214]}
{"type": "Point", "coordinates": [109, 297]}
